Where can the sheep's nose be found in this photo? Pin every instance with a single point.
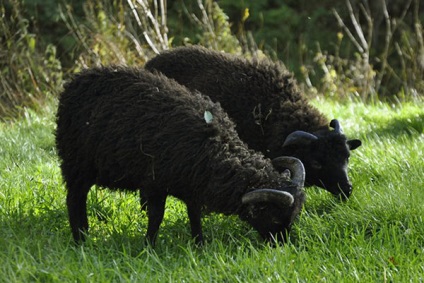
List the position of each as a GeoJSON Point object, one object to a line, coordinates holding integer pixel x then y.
{"type": "Point", "coordinates": [345, 192]}
{"type": "Point", "coordinates": [345, 195]}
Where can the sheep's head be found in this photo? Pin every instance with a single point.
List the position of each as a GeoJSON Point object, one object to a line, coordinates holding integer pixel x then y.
{"type": "Point", "coordinates": [272, 211]}
{"type": "Point", "coordinates": [325, 156]}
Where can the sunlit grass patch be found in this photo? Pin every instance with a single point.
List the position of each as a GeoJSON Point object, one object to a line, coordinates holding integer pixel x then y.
{"type": "Point", "coordinates": [377, 235]}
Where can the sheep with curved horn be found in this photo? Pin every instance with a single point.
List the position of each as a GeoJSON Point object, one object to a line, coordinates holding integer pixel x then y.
{"type": "Point", "coordinates": [129, 129]}
{"type": "Point", "coordinates": [269, 111]}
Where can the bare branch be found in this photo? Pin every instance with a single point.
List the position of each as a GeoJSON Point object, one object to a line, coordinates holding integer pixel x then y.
{"type": "Point", "coordinates": [153, 21]}
{"type": "Point", "coordinates": [163, 20]}
{"type": "Point", "coordinates": [136, 43]}
{"type": "Point", "coordinates": [357, 26]}
{"type": "Point", "coordinates": [390, 29]}
{"type": "Point", "coordinates": [347, 31]}
{"type": "Point", "coordinates": [151, 26]}
{"type": "Point", "coordinates": [150, 42]}
{"type": "Point", "coordinates": [388, 39]}
{"type": "Point", "coordinates": [134, 11]}
{"type": "Point", "coordinates": [206, 21]}
{"type": "Point", "coordinates": [367, 13]}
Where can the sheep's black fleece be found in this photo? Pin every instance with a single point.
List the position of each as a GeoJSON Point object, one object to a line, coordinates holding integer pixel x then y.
{"type": "Point", "coordinates": [126, 128]}
{"type": "Point", "coordinates": [264, 101]}
{"type": "Point", "coordinates": [259, 95]}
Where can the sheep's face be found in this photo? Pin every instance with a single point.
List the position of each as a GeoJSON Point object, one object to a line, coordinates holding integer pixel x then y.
{"type": "Point", "coordinates": [327, 165]}
{"type": "Point", "coordinates": [273, 221]}
{"type": "Point", "coordinates": [325, 158]}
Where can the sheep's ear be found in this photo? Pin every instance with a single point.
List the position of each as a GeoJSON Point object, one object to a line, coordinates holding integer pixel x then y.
{"type": "Point", "coordinates": [354, 144]}
{"type": "Point", "coordinates": [295, 166]}
{"type": "Point", "coordinates": [298, 138]}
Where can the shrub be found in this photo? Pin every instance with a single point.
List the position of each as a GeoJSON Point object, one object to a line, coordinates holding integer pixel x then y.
{"type": "Point", "coordinates": [28, 74]}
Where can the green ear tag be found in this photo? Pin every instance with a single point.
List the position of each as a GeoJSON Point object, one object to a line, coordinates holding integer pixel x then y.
{"type": "Point", "coordinates": [208, 117]}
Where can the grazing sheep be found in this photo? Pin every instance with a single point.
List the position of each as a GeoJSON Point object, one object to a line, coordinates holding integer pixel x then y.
{"type": "Point", "coordinates": [128, 129]}
{"type": "Point", "coordinates": [270, 114]}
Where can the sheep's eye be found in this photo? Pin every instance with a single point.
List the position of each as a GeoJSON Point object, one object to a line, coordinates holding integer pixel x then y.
{"type": "Point", "coordinates": [316, 165]}
{"type": "Point", "coordinates": [277, 222]}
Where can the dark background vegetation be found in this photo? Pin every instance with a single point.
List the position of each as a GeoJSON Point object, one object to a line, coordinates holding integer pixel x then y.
{"type": "Point", "coordinates": [370, 50]}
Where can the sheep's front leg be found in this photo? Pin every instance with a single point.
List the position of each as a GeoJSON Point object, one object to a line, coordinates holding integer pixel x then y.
{"type": "Point", "coordinates": [194, 214]}
{"type": "Point", "coordinates": [155, 212]}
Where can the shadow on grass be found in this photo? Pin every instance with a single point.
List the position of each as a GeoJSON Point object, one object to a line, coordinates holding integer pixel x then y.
{"type": "Point", "coordinates": [28, 228]}
{"type": "Point", "coordinates": [397, 127]}
{"type": "Point", "coordinates": [43, 226]}
{"type": "Point", "coordinates": [43, 229]}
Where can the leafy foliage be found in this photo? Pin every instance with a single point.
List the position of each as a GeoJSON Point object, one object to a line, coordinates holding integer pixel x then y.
{"type": "Point", "coordinates": [352, 49]}
{"type": "Point", "coordinates": [111, 33]}
{"type": "Point", "coordinates": [341, 48]}
{"type": "Point", "coordinates": [28, 74]}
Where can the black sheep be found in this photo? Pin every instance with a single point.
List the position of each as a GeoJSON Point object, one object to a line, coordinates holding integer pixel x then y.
{"type": "Point", "coordinates": [129, 129]}
{"type": "Point", "coordinates": [270, 113]}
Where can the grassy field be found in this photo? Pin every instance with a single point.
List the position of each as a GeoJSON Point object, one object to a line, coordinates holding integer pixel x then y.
{"type": "Point", "coordinates": [377, 236]}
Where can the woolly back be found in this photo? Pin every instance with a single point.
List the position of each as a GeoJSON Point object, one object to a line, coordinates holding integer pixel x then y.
{"type": "Point", "coordinates": [127, 128]}
{"type": "Point", "coordinates": [261, 96]}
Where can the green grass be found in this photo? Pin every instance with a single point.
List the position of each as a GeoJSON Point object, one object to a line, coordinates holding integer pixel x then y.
{"type": "Point", "coordinates": [376, 236]}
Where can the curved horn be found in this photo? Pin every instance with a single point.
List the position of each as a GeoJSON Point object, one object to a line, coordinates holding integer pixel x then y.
{"type": "Point", "coordinates": [295, 166]}
{"type": "Point", "coordinates": [286, 173]}
{"type": "Point", "coordinates": [299, 137]}
{"type": "Point", "coordinates": [268, 195]}
{"type": "Point", "coordinates": [336, 125]}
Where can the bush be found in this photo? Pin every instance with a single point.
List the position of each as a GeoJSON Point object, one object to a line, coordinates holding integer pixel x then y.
{"type": "Point", "coordinates": [130, 32]}
{"type": "Point", "coordinates": [28, 74]}
{"type": "Point", "coordinates": [113, 32]}
{"type": "Point", "coordinates": [340, 49]}
{"type": "Point", "coordinates": [365, 48]}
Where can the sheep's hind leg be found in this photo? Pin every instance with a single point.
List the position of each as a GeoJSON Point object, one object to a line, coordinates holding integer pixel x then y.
{"type": "Point", "coordinates": [194, 214]}
{"type": "Point", "coordinates": [76, 201]}
{"type": "Point", "coordinates": [155, 212]}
